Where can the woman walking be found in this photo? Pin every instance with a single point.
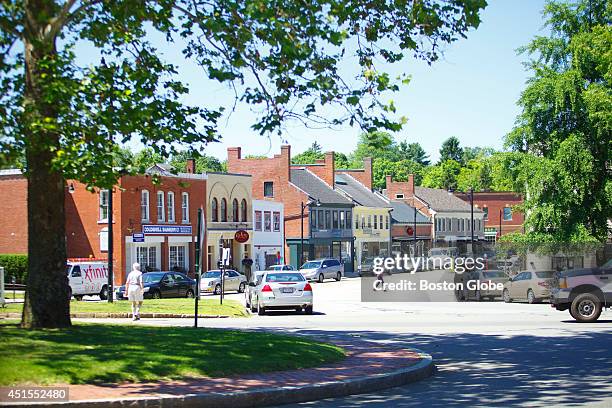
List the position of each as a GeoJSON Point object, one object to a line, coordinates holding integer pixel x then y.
{"type": "Point", "coordinates": [135, 290]}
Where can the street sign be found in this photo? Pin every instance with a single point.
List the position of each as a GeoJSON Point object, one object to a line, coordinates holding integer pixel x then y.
{"type": "Point", "coordinates": [138, 237]}
{"type": "Point", "coordinates": [225, 258]}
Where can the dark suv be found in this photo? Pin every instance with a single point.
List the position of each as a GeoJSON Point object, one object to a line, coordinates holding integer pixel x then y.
{"type": "Point", "coordinates": [584, 292]}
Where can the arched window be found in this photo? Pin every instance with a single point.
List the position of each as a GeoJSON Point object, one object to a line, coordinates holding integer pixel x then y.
{"type": "Point", "coordinates": [223, 210]}
{"type": "Point", "coordinates": [215, 210]}
{"type": "Point", "coordinates": [235, 211]}
{"type": "Point", "coordinates": [243, 211]}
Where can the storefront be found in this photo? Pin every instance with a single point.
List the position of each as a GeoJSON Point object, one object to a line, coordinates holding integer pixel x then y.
{"type": "Point", "coordinates": [268, 234]}
{"type": "Point", "coordinates": [161, 248]}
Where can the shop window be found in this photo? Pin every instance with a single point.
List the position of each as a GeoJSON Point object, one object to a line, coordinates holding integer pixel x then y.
{"type": "Point", "coordinates": [147, 258]}
{"type": "Point", "coordinates": [243, 210]}
{"type": "Point", "coordinates": [276, 221]}
{"type": "Point", "coordinates": [177, 258]}
{"type": "Point", "coordinates": [144, 205]}
{"type": "Point", "coordinates": [258, 221]}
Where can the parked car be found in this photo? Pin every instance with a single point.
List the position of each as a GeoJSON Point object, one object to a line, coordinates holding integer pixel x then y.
{"type": "Point", "coordinates": [87, 277]}
{"type": "Point", "coordinates": [321, 269]}
{"type": "Point", "coordinates": [438, 257]}
{"type": "Point", "coordinates": [158, 285]}
{"type": "Point", "coordinates": [280, 268]}
{"type": "Point", "coordinates": [280, 290]}
{"type": "Point", "coordinates": [584, 292]}
{"type": "Point", "coordinates": [532, 286]}
{"type": "Point", "coordinates": [234, 281]}
{"type": "Point", "coordinates": [486, 277]}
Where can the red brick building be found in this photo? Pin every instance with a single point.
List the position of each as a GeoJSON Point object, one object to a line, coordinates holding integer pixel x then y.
{"type": "Point", "coordinates": [165, 213]}
{"type": "Point", "coordinates": [500, 213]}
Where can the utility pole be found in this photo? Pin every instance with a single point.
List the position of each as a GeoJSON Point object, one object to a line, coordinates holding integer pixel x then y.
{"type": "Point", "coordinates": [110, 246]}
{"type": "Point", "coordinates": [198, 266]}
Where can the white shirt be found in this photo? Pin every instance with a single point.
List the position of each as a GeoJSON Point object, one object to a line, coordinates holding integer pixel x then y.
{"type": "Point", "coordinates": [134, 278]}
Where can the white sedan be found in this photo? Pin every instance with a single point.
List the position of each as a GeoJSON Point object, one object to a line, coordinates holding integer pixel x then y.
{"type": "Point", "coordinates": [279, 291]}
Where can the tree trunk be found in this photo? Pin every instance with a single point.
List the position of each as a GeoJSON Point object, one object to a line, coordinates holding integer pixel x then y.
{"type": "Point", "coordinates": [47, 302]}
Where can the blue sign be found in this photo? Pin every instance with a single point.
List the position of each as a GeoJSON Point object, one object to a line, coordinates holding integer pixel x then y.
{"type": "Point", "coordinates": [167, 229]}
{"type": "Point", "coordinates": [138, 237]}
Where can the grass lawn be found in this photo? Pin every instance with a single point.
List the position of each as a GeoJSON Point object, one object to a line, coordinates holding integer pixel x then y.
{"type": "Point", "coordinates": [179, 306]}
{"type": "Point", "coordinates": [96, 353]}
{"type": "Point", "coordinates": [8, 294]}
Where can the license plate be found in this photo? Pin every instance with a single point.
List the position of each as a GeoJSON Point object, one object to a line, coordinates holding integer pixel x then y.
{"type": "Point", "coordinates": [286, 290]}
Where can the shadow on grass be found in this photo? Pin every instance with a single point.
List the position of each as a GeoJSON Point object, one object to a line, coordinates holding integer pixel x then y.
{"type": "Point", "coordinates": [115, 353]}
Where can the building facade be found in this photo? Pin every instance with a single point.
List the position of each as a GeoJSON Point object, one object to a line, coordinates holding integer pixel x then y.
{"type": "Point", "coordinates": [268, 234]}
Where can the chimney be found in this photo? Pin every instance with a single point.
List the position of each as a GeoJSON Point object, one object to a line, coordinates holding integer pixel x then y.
{"type": "Point", "coordinates": [367, 172]}
{"type": "Point", "coordinates": [388, 181]}
{"type": "Point", "coordinates": [234, 153]}
{"type": "Point", "coordinates": [410, 189]}
{"type": "Point", "coordinates": [330, 169]}
{"type": "Point", "coordinates": [286, 161]}
{"type": "Point", "coordinates": [190, 166]}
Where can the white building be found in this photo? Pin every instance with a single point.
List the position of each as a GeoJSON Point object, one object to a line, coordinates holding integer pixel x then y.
{"type": "Point", "coordinates": [268, 234]}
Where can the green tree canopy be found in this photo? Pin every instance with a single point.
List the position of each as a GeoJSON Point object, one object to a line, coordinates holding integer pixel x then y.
{"type": "Point", "coordinates": [309, 156]}
{"type": "Point", "coordinates": [443, 175]}
{"type": "Point", "coordinates": [451, 150]}
{"type": "Point", "coordinates": [413, 152]}
{"type": "Point", "coordinates": [398, 169]}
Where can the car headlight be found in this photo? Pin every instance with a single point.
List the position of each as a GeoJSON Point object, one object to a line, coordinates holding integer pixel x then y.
{"type": "Point", "coordinates": [147, 289]}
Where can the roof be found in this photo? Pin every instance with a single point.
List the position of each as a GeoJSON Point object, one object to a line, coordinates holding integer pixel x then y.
{"type": "Point", "coordinates": [358, 192]}
{"type": "Point", "coordinates": [160, 168]}
{"type": "Point", "coordinates": [316, 188]}
{"type": "Point", "coordinates": [442, 200]}
{"type": "Point", "coordinates": [403, 213]}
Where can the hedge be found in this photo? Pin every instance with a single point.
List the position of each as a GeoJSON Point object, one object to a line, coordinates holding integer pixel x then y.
{"type": "Point", "coordinates": [14, 265]}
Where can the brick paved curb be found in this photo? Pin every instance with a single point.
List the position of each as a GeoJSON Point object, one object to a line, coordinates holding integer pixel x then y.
{"type": "Point", "coordinates": [267, 396]}
{"type": "Point", "coordinates": [124, 316]}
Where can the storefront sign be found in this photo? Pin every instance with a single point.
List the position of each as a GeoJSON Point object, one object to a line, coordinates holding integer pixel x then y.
{"type": "Point", "coordinates": [138, 237]}
{"type": "Point", "coordinates": [410, 231]}
{"type": "Point", "coordinates": [167, 229]}
{"type": "Point", "coordinates": [241, 236]}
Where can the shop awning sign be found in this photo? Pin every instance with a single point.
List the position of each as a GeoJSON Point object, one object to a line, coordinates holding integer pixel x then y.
{"type": "Point", "coordinates": [167, 229]}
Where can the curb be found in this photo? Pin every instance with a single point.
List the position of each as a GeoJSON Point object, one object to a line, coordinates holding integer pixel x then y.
{"type": "Point", "coordinates": [267, 396]}
{"type": "Point", "coordinates": [125, 316]}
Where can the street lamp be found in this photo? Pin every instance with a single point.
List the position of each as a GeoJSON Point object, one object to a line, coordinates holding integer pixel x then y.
{"type": "Point", "coordinates": [414, 230]}
{"type": "Point", "coordinates": [310, 202]}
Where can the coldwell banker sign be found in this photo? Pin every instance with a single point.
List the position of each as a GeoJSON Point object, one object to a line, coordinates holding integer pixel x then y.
{"type": "Point", "coordinates": [167, 229]}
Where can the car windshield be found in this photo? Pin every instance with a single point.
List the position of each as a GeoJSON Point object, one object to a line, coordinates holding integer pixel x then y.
{"type": "Point", "coordinates": [212, 274]}
{"type": "Point", "coordinates": [284, 277]}
{"type": "Point", "coordinates": [544, 274]}
{"type": "Point", "coordinates": [311, 265]}
{"type": "Point", "coordinates": [152, 277]}
{"type": "Point", "coordinates": [494, 274]}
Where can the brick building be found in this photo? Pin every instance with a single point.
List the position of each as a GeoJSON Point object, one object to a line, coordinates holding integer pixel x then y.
{"type": "Point", "coordinates": [500, 213]}
{"type": "Point", "coordinates": [166, 213]}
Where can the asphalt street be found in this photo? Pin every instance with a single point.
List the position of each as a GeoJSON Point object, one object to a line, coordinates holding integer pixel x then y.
{"type": "Point", "coordinates": [487, 353]}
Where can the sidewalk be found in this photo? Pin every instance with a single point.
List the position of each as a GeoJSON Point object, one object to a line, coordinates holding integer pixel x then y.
{"type": "Point", "coordinates": [368, 367]}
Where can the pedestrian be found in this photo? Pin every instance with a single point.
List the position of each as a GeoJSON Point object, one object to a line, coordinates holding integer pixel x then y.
{"type": "Point", "coordinates": [135, 290]}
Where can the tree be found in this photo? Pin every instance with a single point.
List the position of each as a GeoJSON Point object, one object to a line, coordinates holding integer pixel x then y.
{"type": "Point", "coordinates": [443, 175]}
{"type": "Point", "coordinates": [451, 150]}
{"type": "Point", "coordinates": [341, 161]}
{"type": "Point", "coordinates": [203, 162]}
{"type": "Point", "coordinates": [68, 116]}
{"type": "Point", "coordinates": [565, 128]}
{"type": "Point", "coordinates": [309, 156]}
{"type": "Point", "coordinates": [377, 145]}
{"type": "Point", "coordinates": [399, 170]}
{"type": "Point", "coordinates": [413, 152]}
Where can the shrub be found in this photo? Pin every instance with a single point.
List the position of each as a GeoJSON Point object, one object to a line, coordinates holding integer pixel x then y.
{"type": "Point", "coordinates": [14, 265]}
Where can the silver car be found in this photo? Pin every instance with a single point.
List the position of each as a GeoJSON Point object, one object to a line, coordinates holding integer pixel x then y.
{"type": "Point", "coordinates": [211, 282]}
{"type": "Point", "coordinates": [280, 268]}
{"type": "Point", "coordinates": [322, 269]}
{"type": "Point", "coordinates": [279, 290]}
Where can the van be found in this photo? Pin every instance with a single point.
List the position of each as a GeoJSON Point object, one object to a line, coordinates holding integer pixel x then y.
{"type": "Point", "coordinates": [87, 277]}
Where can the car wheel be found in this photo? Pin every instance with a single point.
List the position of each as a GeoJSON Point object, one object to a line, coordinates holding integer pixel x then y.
{"type": "Point", "coordinates": [586, 308]}
{"type": "Point", "coordinates": [156, 294]}
{"type": "Point", "coordinates": [261, 310]}
{"type": "Point", "coordinates": [531, 299]}
{"type": "Point", "coordinates": [308, 310]}
{"type": "Point", "coordinates": [241, 287]}
{"type": "Point", "coordinates": [321, 278]}
{"type": "Point", "coordinates": [78, 297]}
{"type": "Point", "coordinates": [338, 277]}
{"type": "Point", "coordinates": [506, 296]}
{"type": "Point", "coordinates": [217, 289]}
{"type": "Point", "coordinates": [253, 309]}
{"type": "Point", "coordinates": [190, 294]}
{"type": "Point", "coordinates": [104, 293]}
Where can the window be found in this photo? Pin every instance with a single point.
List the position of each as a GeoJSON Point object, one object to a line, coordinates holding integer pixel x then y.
{"type": "Point", "coordinates": [267, 221]}
{"type": "Point", "coordinates": [268, 189]}
{"type": "Point", "coordinates": [257, 220]}
{"type": "Point", "coordinates": [486, 212]}
{"type": "Point", "coordinates": [327, 219]}
{"type": "Point", "coordinates": [375, 221]}
{"type": "Point", "coordinates": [235, 211]}
{"type": "Point", "coordinates": [223, 210]}
{"type": "Point", "coordinates": [313, 218]}
{"type": "Point", "coordinates": [363, 224]}
{"type": "Point", "coordinates": [170, 206]}
{"type": "Point", "coordinates": [243, 210]}
{"type": "Point", "coordinates": [103, 205]}
{"type": "Point", "coordinates": [399, 196]}
{"type": "Point", "coordinates": [214, 209]}
{"type": "Point", "coordinates": [144, 205]}
{"type": "Point", "coordinates": [160, 206]}
{"type": "Point", "coordinates": [321, 219]}
{"type": "Point", "coordinates": [341, 219]}
{"type": "Point", "coordinates": [185, 207]}
{"type": "Point", "coordinates": [386, 221]}
{"type": "Point", "coordinates": [76, 271]}
{"type": "Point", "coordinates": [104, 239]}
{"type": "Point", "coordinates": [348, 217]}
{"type": "Point", "coordinates": [380, 219]}
{"type": "Point", "coordinates": [147, 257]}
{"type": "Point", "coordinates": [276, 220]}
{"type": "Point", "coordinates": [356, 222]}
{"type": "Point", "coordinates": [507, 214]}
{"type": "Point", "coordinates": [462, 228]}
{"type": "Point", "coordinates": [335, 220]}
{"type": "Point", "coordinates": [177, 258]}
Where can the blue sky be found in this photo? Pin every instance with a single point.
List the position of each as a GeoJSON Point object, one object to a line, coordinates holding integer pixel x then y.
{"type": "Point", "coordinates": [470, 93]}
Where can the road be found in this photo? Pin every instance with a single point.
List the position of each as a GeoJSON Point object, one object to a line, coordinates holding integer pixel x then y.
{"type": "Point", "coordinates": [488, 353]}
